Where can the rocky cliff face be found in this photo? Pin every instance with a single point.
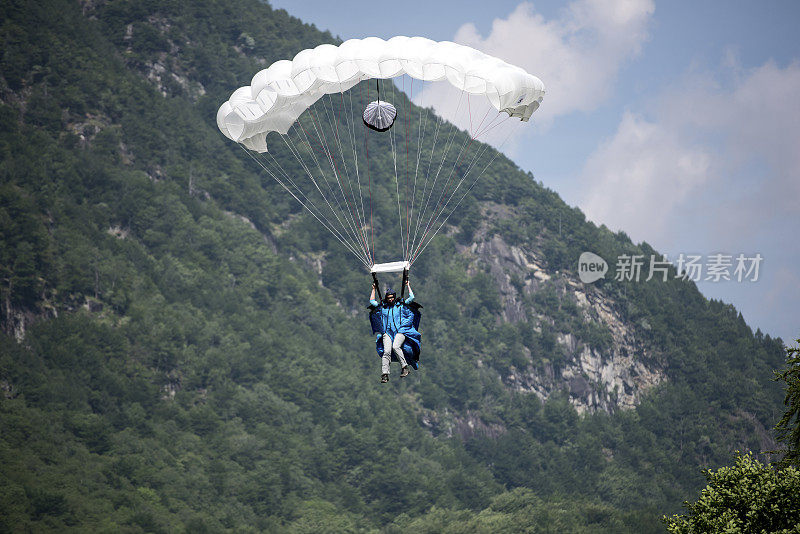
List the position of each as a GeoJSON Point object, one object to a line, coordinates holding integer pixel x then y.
{"type": "Point", "coordinates": [609, 376]}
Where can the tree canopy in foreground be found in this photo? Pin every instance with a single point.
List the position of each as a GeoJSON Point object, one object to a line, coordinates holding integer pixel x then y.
{"type": "Point", "coordinates": [746, 497]}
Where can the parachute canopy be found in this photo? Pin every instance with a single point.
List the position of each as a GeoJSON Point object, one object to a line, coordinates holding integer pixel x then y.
{"type": "Point", "coordinates": [347, 158]}
{"type": "Point", "coordinates": [279, 94]}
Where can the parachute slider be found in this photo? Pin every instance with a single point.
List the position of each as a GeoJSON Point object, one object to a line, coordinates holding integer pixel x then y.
{"type": "Point", "coordinates": [391, 267]}
{"type": "Point", "coordinates": [379, 115]}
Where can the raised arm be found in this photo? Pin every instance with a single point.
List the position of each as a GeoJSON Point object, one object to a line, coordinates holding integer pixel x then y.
{"type": "Point", "coordinates": [410, 298]}
{"type": "Point", "coordinates": [372, 300]}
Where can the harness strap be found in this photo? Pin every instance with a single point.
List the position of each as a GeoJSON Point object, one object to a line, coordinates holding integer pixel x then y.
{"type": "Point", "coordinates": [377, 286]}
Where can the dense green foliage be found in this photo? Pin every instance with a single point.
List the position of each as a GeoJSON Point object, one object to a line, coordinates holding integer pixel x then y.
{"type": "Point", "coordinates": [182, 368]}
{"type": "Point", "coordinates": [789, 425]}
{"type": "Point", "coordinates": [746, 497]}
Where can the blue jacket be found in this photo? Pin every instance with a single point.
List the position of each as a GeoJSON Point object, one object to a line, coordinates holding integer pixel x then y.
{"type": "Point", "coordinates": [403, 318]}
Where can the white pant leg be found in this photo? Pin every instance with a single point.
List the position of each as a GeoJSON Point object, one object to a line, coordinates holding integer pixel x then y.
{"type": "Point", "coordinates": [397, 346]}
{"type": "Point", "coordinates": [387, 354]}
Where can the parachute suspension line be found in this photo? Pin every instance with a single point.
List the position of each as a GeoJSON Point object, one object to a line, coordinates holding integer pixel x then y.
{"type": "Point", "coordinates": [439, 122]}
{"type": "Point", "coordinates": [352, 139]}
{"type": "Point", "coordinates": [319, 213]}
{"type": "Point", "coordinates": [337, 137]}
{"type": "Point", "coordinates": [491, 126]}
{"type": "Point", "coordinates": [396, 181]}
{"type": "Point", "coordinates": [308, 172]}
{"type": "Point", "coordinates": [448, 145]}
{"type": "Point", "coordinates": [464, 150]}
{"type": "Point", "coordinates": [274, 174]}
{"type": "Point", "coordinates": [478, 154]}
{"type": "Point", "coordinates": [497, 153]}
{"type": "Point", "coordinates": [333, 118]}
{"type": "Point", "coordinates": [476, 133]}
{"type": "Point", "coordinates": [404, 242]}
{"type": "Point", "coordinates": [427, 193]}
{"type": "Point", "coordinates": [369, 180]}
{"type": "Point", "coordinates": [307, 142]}
{"type": "Point", "coordinates": [446, 153]}
{"type": "Point", "coordinates": [475, 158]}
{"type": "Point", "coordinates": [420, 139]}
{"type": "Point", "coordinates": [469, 108]}
{"type": "Point", "coordinates": [296, 153]}
{"type": "Point", "coordinates": [344, 230]}
{"type": "Point", "coordinates": [320, 131]}
{"type": "Point", "coordinates": [337, 174]}
{"type": "Point", "coordinates": [436, 211]}
{"type": "Point", "coordinates": [485, 146]}
{"type": "Point", "coordinates": [334, 130]}
{"type": "Point", "coordinates": [324, 223]}
{"type": "Point", "coordinates": [408, 134]}
{"type": "Point", "coordinates": [287, 139]}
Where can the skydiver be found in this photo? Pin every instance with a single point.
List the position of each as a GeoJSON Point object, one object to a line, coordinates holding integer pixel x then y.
{"type": "Point", "coordinates": [394, 327]}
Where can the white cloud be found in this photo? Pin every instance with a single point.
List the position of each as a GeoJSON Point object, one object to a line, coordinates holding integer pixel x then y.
{"type": "Point", "coordinates": [636, 180]}
{"type": "Point", "coordinates": [727, 159]}
{"type": "Point", "coordinates": [578, 56]}
{"type": "Point", "coordinates": [758, 121]}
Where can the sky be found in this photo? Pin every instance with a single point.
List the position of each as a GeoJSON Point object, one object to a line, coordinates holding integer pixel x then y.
{"type": "Point", "coordinates": [676, 122]}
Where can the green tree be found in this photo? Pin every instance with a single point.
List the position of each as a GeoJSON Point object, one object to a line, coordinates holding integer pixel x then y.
{"type": "Point", "coordinates": [788, 427]}
{"type": "Point", "coordinates": [746, 497]}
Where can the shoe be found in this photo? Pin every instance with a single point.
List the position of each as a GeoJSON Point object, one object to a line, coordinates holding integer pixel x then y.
{"type": "Point", "coordinates": [384, 378]}
{"type": "Point", "coordinates": [405, 372]}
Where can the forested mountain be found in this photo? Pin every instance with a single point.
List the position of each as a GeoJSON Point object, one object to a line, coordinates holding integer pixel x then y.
{"type": "Point", "coordinates": [184, 349]}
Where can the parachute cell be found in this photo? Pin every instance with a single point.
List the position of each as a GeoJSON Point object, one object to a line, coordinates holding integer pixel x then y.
{"type": "Point", "coordinates": [279, 94]}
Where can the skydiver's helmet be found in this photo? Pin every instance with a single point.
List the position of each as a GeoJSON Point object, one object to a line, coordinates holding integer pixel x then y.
{"type": "Point", "coordinates": [390, 291]}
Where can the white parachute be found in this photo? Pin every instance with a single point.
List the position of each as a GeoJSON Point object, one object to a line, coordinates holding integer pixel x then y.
{"type": "Point", "coordinates": [314, 102]}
